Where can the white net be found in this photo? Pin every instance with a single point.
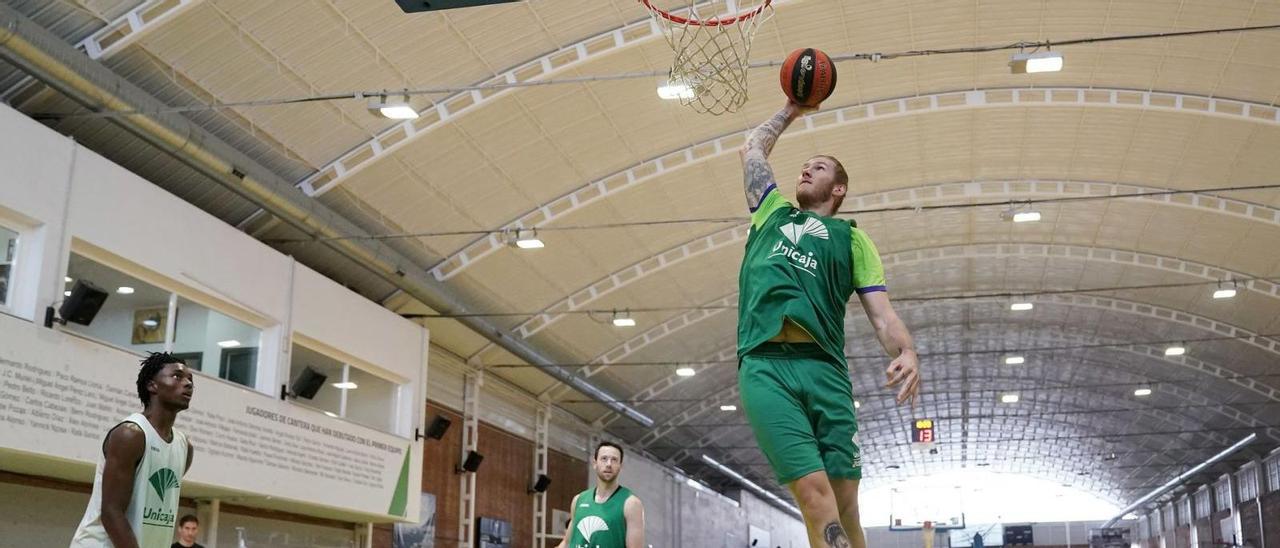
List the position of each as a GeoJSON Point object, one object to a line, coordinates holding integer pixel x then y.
{"type": "Point", "coordinates": [712, 44]}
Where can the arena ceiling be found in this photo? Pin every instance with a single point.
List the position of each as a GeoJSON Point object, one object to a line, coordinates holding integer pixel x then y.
{"type": "Point", "coordinates": [1115, 280]}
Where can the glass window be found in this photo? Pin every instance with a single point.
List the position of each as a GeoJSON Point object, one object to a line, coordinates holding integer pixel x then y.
{"type": "Point", "coordinates": [1222, 494]}
{"type": "Point", "coordinates": [136, 316]}
{"type": "Point", "coordinates": [1273, 474]}
{"type": "Point", "coordinates": [347, 391]}
{"type": "Point", "coordinates": [8, 255]}
{"type": "Point", "coordinates": [1248, 480]}
{"type": "Point", "coordinates": [1202, 503]}
{"type": "Point", "coordinates": [306, 365]}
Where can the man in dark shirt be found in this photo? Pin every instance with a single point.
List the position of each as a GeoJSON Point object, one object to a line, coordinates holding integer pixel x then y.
{"type": "Point", "coordinates": [188, 527]}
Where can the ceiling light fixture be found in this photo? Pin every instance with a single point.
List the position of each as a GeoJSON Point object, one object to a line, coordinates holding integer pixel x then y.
{"type": "Point", "coordinates": [1009, 398]}
{"type": "Point", "coordinates": [1031, 63]}
{"type": "Point", "coordinates": [231, 343]}
{"type": "Point", "coordinates": [124, 290]}
{"type": "Point", "coordinates": [857, 404]}
{"type": "Point", "coordinates": [1144, 391]}
{"type": "Point", "coordinates": [1014, 360]}
{"type": "Point", "coordinates": [623, 319]}
{"type": "Point", "coordinates": [67, 279]}
{"type": "Point", "coordinates": [1021, 307]}
{"type": "Point", "coordinates": [671, 91]}
{"type": "Point", "coordinates": [1176, 350]}
{"type": "Point", "coordinates": [395, 109]}
{"type": "Point", "coordinates": [728, 408]}
{"type": "Point", "coordinates": [345, 385]}
{"type": "Point", "coordinates": [686, 372]}
{"type": "Point", "coordinates": [525, 238]}
{"type": "Point", "coordinates": [1225, 292]}
{"type": "Point", "coordinates": [1026, 217]}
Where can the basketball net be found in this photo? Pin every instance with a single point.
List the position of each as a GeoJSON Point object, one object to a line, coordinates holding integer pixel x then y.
{"type": "Point", "coordinates": [712, 45]}
{"type": "Point", "coordinates": [927, 531]}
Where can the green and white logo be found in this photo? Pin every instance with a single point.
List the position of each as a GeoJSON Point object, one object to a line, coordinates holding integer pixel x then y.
{"type": "Point", "coordinates": [163, 480]}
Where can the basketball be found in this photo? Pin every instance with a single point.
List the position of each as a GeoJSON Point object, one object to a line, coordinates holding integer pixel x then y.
{"type": "Point", "coordinates": [808, 77]}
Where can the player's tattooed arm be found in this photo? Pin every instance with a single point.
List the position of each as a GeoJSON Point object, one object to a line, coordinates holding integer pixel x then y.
{"type": "Point", "coordinates": [757, 174]}
{"type": "Point", "coordinates": [834, 535]}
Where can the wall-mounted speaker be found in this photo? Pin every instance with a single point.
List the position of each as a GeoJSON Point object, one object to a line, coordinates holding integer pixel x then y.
{"type": "Point", "coordinates": [472, 462]}
{"type": "Point", "coordinates": [84, 303]}
{"type": "Point", "coordinates": [540, 485]}
{"type": "Point", "coordinates": [439, 425]}
{"type": "Point", "coordinates": [309, 382]}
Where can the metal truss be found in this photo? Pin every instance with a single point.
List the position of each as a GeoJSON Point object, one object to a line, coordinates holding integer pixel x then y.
{"type": "Point", "coordinates": [1236, 415]}
{"type": "Point", "coordinates": [734, 236]}
{"type": "Point", "coordinates": [1108, 304]}
{"type": "Point", "coordinates": [118, 34]}
{"type": "Point", "coordinates": [132, 26]}
{"type": "Point", "coordinates": [697, 153]}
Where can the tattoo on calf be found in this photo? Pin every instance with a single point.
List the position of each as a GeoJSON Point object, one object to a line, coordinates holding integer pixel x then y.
{"type": "Point", "coordinates": [835, 537]}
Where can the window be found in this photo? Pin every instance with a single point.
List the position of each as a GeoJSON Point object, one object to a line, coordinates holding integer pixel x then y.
{"type": "Point", "coordinates": [1273, 474]}
{"type": "Point", "coordinates": [1222, 493]}
{"type": "Point", "coordinates": [347, 391]}
{"type": "Point", "coordinates": [1202, 503]}
{"type": "Point", "coordinates": [136, 316]}
{"type": "Point", "coordinates": [8, 256]}
{"type": "Point", "coordinates": [1248, 480]}
{"type": "Point", "coordinates": [1184, 511]}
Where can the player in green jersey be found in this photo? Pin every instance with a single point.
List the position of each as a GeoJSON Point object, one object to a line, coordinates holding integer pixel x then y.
{"type": "Point", "coordinates": [607, 515]}
{"type": "Point", "coordinates": [801, 267]}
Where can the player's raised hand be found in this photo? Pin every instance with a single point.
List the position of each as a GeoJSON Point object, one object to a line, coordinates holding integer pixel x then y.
{"type": "Point", "coordinates": [904, 371]}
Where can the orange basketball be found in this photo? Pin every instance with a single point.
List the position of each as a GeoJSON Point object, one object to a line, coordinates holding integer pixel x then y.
{"type": "Point", "coordinates": [808, 77]}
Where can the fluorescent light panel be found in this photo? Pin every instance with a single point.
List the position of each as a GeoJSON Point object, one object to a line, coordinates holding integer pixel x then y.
{"type": "Point", "coordinates": [672, 91]}
{"type": "Point", "coordinates": [347, 385]}
{"type": "Point", "coordinates": [1019, 307]}
{"type": "Point", "coordinates": [1031, 63]}
{"type": "Point", "coordinates": [1026, 217]}
{"type": "Point", "coordinates": [1224, 293]}
{"type": "Point", "coordinates": [1009, 398]}
{"type": "Point", "coordinates": [728, 408]}
{"type": "Point", "coordinates": [1142, 392]}
{"type": "Point", "coordinates": [624, 322]}
{"type": "Point", "coordinates": [1175, 351]}
{"type": "Point", "coordinates": [686, 372]}
{"type": "Point", "coordinates": [229, 343]}
{"type": "Point", "coordinates": [530, 243]}
{"type": "Point", "coordinates": [124, 290]}
{"type": "Point", "coordinates": [1014, 360]}
{"type": "Point", "coordinates": [398, 111]}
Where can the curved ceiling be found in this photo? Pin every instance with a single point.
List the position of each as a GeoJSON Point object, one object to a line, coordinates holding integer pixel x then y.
{"type": "Point", "coordinates": [938, 149]}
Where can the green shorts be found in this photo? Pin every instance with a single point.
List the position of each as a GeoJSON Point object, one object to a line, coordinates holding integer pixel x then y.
{"type": "Point", "coordinates": [799, 402]}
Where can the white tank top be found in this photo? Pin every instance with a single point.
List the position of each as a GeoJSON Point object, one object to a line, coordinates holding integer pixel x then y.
{"type": "Point", "coordinates": [153, 508]}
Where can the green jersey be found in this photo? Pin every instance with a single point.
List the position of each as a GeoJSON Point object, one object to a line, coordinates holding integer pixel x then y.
{"type": "Point", "coordinates": [803, 267]}
{"type": "Point", "coordinates": [599, 524]}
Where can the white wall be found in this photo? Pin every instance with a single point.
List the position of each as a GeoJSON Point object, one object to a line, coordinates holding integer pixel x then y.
{"type": "Point", "coordinates": [117, 218]}
{"type": "Point", "coordinates": [62, 197]}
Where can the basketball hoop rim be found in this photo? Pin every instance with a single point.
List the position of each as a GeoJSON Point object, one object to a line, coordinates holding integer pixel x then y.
{"type": "Point", "coordinates": [717, 22]}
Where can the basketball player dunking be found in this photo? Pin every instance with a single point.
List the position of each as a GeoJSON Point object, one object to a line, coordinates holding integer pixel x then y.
{"type": "Point", "coordinates": [135, 490]}
{"type": "Point", "coordinates": [801, 267]}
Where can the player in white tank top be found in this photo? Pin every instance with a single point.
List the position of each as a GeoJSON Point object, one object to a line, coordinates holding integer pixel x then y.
{"type": "Point", "coordinates": [138, 479]}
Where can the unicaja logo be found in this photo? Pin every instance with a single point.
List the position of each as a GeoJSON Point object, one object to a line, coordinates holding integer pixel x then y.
{"type": "Point", "coordinates": [162, 481]}
{"type": "Point", "coordinates": [811, 227]}
{"type": "Point", "coordinates": [794, 232]}
{"type": "Point", "coordinates": [590, 525]}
